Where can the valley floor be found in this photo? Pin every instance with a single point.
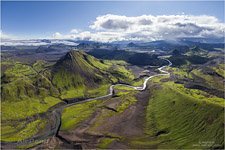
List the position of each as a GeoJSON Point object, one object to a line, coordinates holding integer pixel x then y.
{"type": "Point", "coordinates": [154, 119]}
{"type": "Point", "coordinates": [165, 115]}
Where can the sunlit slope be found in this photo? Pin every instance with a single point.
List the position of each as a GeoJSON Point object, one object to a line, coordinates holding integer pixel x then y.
{"type": "Point", "coordinates": [182, 118]}
{"type": "Point", "coordinates": [20, 81]}
{"type": "Point", "coordinates": [82, 72]}
{"type": "Point", "coordinates": [189, 111]}
{"type": "Point", "coordinates": [74, 70]}
{"type": "Point", "coordinates": [208, 77]}
{"type": "Point", "coordinates": [26, 89]}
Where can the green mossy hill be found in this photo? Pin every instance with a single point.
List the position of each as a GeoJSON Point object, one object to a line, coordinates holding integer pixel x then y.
{"type": "Point", "coordinates": [75, 69]}
{"type": "Point", "coordinates": [23, 81]}
{"type": "Point", "coordinates": [193, 56]}
{"type": "Point", "coordinates": [78, 69]}
{"type": "Point", "coordinates": [179, 60]}
{"type": "Point", "coordinates": [196, 51]}
{"type": "Point", "coordinates": [208, 77]}
{"type": "Point", "coordinates": [182, 118]}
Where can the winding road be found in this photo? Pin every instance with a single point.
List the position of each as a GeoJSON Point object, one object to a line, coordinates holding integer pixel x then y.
{"type": "Point", "coordinates": [56, 113]}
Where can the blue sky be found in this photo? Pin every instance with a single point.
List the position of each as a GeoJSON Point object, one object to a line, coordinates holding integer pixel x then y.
{"type": "Point", "coordinates": [42, 19]}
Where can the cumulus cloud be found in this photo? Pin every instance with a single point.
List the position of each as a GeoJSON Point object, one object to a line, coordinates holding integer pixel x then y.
{"type": "Point", "coordinates": [110, 27]}
{"type": "Point", "coordinates": [115, 22]}
{"type": "Point", "coordinates": [57, 35]}
{"type": "Point", "coordinates": [74, 31]}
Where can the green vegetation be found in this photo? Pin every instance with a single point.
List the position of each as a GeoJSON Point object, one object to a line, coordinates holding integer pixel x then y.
{"type": "Point", "coordinates": [73, 93]}
{"type": "Point", "coordinates": [122, 87]}
{"type": "Point", "coordinates": [196, 51]}
{"type": "Point", "coordinates": [176, 116]}
{"type": "Point", "coordinates": [181, 119]}
{"type": "Point", "coordinates": [104, 143]}
{"type": "Point", "coordinates": [11, 133]}
{"type": "Point", "coordinates": [23, 82]}
{"type": "Point", "coordinates": [30, 145]}
{"type": "Point", "coordinates": [122, 73]}
{"type": "Point", "coordinates": [19, 70]}
{"type": "Point", "coordinates": [25, 108]}
{"type": "Point", "coordinates": [128, 56]}
{"type": "Point", "coordinates": [181, 72]}
{"type": "Point", "coordinates": [70, 117]}
{"type": "Point", "coordinates": [124, 101]}
{"type": "Point", "coordinates": [29, 89]}
{"type": "Point", "coordinates": [98, 91]}
{"type": "Point", "coordinates": [115, 62]}
{"type": "Point", "coordinates": [98, 64]}
{"type": "Point", "coordinates": [127, 100]}
{"type": "Point", "coordinates": [10, 129]}
{"type": "Point", "coordinates": [86, 92]}
{"type": "Point", "coordinates": [32, 88]}
{"type": "Point", "coordinates": [220, 69]}
{"type": "Point", "coordinates": [179, 60]}
{"type": "Point", "coordinates": [39, 65]}
{"type": "Point", "coordinates": [210, 80]}
{"type": "Point", "coordinates": [77, 69]}
{"type": "Point", "coordinates": [73, 115]}
{"type": "Point", "coordinates": [138, 83]}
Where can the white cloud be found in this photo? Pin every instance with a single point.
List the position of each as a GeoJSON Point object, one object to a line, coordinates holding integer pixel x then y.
{"type": "Point", "coordinates": [110, 27]}
{"type": "Point", "coordinates": [57, 35]}
{"type": "Point", "coordinates": [115, 22]}
{"type": "Point", "coordinates": [35, 42]}
{"type": "Point", "coordinates": [5, 36]}
{"type": "Point", "coordinates": [74, 31]}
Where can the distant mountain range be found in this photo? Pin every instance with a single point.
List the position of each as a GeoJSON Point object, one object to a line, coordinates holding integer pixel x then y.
{"type": "Point", "coordinates": [51, 45]}
{"type": "Point", "coordinates": [170, 45]}
{"type": "Point", "coordinates": [35, 42]}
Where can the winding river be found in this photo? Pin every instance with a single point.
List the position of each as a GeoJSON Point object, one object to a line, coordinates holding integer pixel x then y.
{"type": "Point", "coordinates": [56, 113]}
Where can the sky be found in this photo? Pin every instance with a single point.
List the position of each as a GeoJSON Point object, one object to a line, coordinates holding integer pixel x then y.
{"type": "Point", "coordinates": [111, 21]}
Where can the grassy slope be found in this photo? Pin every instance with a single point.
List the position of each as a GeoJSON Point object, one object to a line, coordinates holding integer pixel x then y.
{"type": "Point", "coordinates": [70, 117]}
{"type": "Point", "coordinates": [26, 91]}
{"type": "Point", "coordinates": [220, 69]}
{"type": "Point", "coordinates": [188, 119]}
{"type": "Point", "coordinates": [177, 120]}
{"type": "Point", "coordinates": [12, 132]}
{"type": "Point", "coordinates": [82, 75]}
{"type": "Point", "coordinates": [105, 142]}
{"type": "Point", "coordinates": [26, 107]}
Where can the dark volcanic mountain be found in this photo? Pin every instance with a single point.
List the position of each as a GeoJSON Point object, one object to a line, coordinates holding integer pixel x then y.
{"type": "Point", "coordinates": [134, 58]}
